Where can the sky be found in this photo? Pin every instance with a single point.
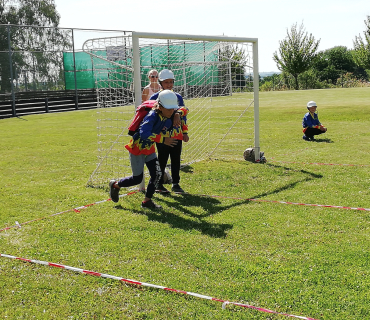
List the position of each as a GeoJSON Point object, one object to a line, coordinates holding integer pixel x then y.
{"type": "Point", "coordinates": [333, 22]}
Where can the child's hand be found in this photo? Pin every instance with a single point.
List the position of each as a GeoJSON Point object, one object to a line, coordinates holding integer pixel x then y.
{"type": "Point", "coordinates": [176, 120]}
{"type": "Point", "coordinates": [185, 137]}
{"type": "Point", "coordinates": [170, 142]}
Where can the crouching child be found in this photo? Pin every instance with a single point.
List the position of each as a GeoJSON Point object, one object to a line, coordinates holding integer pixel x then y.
{"type": "Point", "coordinates": [311, 124]}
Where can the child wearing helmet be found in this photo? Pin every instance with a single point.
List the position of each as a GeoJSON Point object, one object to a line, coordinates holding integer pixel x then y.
{"type": "Point", "coordinates": [141, 148]}
{"type": "Point", "coordinates": [311, 124]}
{"type": "Point", "coordinates": [179, 131]}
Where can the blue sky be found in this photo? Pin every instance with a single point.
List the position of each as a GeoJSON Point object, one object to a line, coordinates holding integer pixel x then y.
{"type": "Point", "coordinates": [334, 22]}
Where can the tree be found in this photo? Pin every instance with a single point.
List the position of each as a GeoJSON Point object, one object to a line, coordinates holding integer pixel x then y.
{"type": "Point", "coordinates": [297, 52]}
{"type": "Point", "coordinates": [238, 62]}
{"type": "Point", "coordinates": [333, 63]}
{"type": "Point", "coordinates": [362, 47]}
{"type": "Point", "coordinates": [36, 43]}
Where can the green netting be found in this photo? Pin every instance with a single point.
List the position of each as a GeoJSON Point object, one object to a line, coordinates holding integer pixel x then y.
{"type": "Point", "coordinates": [151, 57]}
{"type": "Point", "coordinates": [84, 79]}
{"type": "Point", "coordinates": [110, 74]}
{"type": "Point", "coordinates": [84, 71]}
{"type": "Point", "coordinates": [173, 56]}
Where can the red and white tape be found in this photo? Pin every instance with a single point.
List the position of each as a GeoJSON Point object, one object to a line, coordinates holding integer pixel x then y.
{"type": "Point", "coordinates": [78, 209]}
{"type": "Point", "coordinates": [134, 282]}
{"type": "Point", "coordinates": [18, 225]}
{"type": "Point", "coordinates": [324, 164]}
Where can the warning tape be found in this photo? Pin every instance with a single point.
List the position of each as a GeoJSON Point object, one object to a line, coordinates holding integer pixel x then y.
{"type": "Point", "coordinates": [323, 164]}
{"type": "Point", "coordinates": [134, 282]}
{"type": "Point", "coordinates": [18, 225]}
{"type": "Point", "coordinates": [287, 202]}
{"type": "Point", "coordinates": [78, 209]}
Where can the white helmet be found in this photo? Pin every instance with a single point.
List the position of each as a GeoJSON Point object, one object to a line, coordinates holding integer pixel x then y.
{"type": "Point", "coordinates": [166, 74]}
{"type": "Point", "coordinates": [311, 104]}
{"type": "Point", "coordinates": [168, 99]}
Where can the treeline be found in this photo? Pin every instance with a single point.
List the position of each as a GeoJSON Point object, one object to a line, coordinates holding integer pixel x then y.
{"type": "Point", "coordinates": [302, 67]}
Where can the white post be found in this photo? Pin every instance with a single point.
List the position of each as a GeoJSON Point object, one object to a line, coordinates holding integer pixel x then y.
{"type": "Point", "coordinates": [137, 67]}
{"type": "Point", "coordinates": [137, 82]}
{"type": "Point", "coordinates": [231, 80]}
{"type": "Point", "coordinates": [185, 84]}
{"type": "Point", "coordinates": [256, 102]}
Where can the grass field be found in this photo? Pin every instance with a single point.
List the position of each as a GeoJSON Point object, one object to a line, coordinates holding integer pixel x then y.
{"type": "Point", "coordinates": [296, 259]}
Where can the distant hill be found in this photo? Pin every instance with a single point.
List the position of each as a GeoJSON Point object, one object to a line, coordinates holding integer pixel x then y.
{"type": "Point", "coordinates": [266, 74]}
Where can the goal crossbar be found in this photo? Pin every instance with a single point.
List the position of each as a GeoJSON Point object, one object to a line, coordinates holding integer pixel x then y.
{"type": "Point", "coordinates": [254, 41]}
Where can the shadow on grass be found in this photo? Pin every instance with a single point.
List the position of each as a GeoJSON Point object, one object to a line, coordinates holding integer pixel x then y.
{"type": "Point", "coordinates": [310, 175]}
{"type": "Point", "coordinates": [210, 205]}
{"type": "Point", "coordinates": [20, 118]}
{"type": "Point", "coordinates": [326, 140]}
{"type": "Point", "coordinates": [216, 230]}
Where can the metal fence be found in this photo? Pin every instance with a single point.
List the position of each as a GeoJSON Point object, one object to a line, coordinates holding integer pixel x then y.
{"type": "Point", "coordinates": [46, 65]}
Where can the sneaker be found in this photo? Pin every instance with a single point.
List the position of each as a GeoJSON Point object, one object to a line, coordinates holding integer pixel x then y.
{"type": "Point", "coordinates": [150, 204]}
{"type": "Point", "coordinates": [161, 189]}
{"type": "Point", "coordinates": [113, 192]}
{"type": "Point", "coordinates": [306, 138]}
{"type": "Point", "coordinates": [177, 189]}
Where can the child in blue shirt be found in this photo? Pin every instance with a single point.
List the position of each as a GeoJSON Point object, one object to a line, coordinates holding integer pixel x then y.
{"type": "Point", "coordinates": [141, 148]}
{"type": "Point", "coordinates": [311, 124]}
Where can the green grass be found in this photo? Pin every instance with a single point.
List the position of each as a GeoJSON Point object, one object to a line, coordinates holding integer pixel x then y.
{"type": "Point", "coordinates": [309, 261]}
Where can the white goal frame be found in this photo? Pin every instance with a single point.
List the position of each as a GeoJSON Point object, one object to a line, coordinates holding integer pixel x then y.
{"type": "Point", "coordinates": [254, 41]}
{"type": "Point", "coordinates": [135, 39]}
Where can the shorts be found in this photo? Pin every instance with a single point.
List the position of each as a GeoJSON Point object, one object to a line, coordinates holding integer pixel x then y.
{"type": "Point", "coordinates": [138, 162]}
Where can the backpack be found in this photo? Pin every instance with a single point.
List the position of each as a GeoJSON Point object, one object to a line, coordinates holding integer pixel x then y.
{"type": "Point", "coordinates": [140, 113]}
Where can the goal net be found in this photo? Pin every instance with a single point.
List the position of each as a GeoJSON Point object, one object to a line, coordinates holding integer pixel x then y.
{"type": "Point", "coordinates": [216, 76]}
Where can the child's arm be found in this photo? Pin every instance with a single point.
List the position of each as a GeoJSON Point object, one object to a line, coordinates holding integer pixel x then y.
{"type": "Point", "coordinates": [176, 120]}
{"type": "Point", "coordinates": [320, 126]}
{"type": "Point", "coordinates": [309, 122]}
{"type": "Point", "coordinates": [179, 113]}
{"type": "Point", "coordinates": [185, 137]}
{"type": "Point", "coordinates": [145, 94]}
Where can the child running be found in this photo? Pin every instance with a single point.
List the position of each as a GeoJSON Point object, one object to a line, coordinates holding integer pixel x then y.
{"type": "Point", "coordinates": [142, 150]}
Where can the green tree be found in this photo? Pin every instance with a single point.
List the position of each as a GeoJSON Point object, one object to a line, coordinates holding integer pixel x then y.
{"type": "Point", "coordinates": [296, 53]}
{"type": "Point", "coordinates": [237, 58]}
{"type": "Point", "coordinates": [36, 42]}
{"type": "Point", "coordinates": [334, 63]}
{"type": "Point", "coordinates": [362, 47]}
{"type": "Point", "coordinates": [272, 82]}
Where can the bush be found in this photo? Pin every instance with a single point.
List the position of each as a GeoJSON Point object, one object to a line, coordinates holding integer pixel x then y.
{"type": "Point", "coordinates": [310, 80]}
{"type": "Point", "coordinates": [267, 86]}
{"type": "Point", "coordinates": [349, 80]}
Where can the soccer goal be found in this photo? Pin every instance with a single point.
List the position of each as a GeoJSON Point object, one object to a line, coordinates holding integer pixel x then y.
{"type": "Point", "coordinates": [216, 75]}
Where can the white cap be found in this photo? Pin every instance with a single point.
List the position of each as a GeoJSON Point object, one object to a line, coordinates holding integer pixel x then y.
{"type": "Point", "coordinates": [168, 99]}
{"type": "Point", "coordinates": [311, 104]}
{"type": "Point", "coordinates": [166, 74]}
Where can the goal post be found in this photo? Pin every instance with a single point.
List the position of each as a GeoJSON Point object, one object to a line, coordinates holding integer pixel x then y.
{"type": "Point", "coordinates": [216, 75]}
{"type": "Point", "coordinates": [256, 100]}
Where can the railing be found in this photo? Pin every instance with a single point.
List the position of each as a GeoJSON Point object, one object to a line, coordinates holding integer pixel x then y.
{"type": "Point", "coordinates": [27, 103]}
